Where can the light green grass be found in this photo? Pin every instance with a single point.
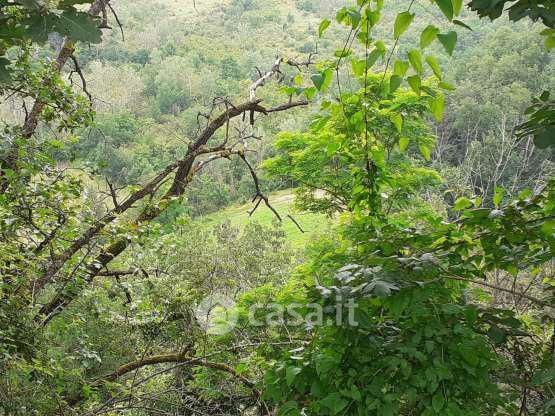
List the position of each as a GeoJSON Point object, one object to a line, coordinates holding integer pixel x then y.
{"type": "Point", "coordinates": [282, 201]}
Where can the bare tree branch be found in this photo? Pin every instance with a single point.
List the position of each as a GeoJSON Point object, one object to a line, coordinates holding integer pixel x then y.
{"type": "Point", "coordinates": [182, 178]}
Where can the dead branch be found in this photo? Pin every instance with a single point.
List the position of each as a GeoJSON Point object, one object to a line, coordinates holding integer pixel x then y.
{"type": "Point", "coordinates": [79, 72]}
{"type": "Point", "coordinates": [259, 195]}
{"type": "Point", "coordinates": [181, 358]}
{"type": "Point", "coordinates": [182, 178]}
{"type": "Point", "coordinates": [295, 222]}
{"type": "Point", "coordinates": [117, 20]}
{"type": "Point", "coordinates": [276, 72]}
{"type": "Point", "coordinates": [502, 289]}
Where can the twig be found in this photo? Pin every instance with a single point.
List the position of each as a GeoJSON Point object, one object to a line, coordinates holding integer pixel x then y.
{"type": "Point", "coordinates": [80, 73]}
{"type": "Point", "coordinates": [117, 21]}
{"type": "Point", "coordinates": [259, 195]}
{"type": "Point", "coordinates": [295, 222]}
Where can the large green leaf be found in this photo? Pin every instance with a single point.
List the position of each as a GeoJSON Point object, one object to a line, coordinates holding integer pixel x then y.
{"type": "Point", "coordinates": [39, 27]}
{"type": "Point", "coordinates": [394, 83]}
{"type": "Point", "coordinates": [334, 402]}
{"type": "Point", "coordinates": [545, 138]}
{"type": "Point", "coordinates": [79, 26]}
{"type": "Point", "coordinates": [434, 65]}
{"type": "Point", "coordinates": [437, 107]}
{"type": "Point", "coordinates": [415, 59]}
{"type": "Point", "coordinates": [457, 7]}
{"type": "Point", "coordinates": [446, 7]}
{"type": "Point", "coordinates": [415, 83]}
{"type": "Point", "coordinates": [428, 35]}
{"type": "Point", "coordinates": [403, 143]}
{"type": "Point", "coordinates": [400, 68]}
{"type": "Point", "coordinates": [402, 22]}
{"type": "Point", "coordinates": [448, 40]}
{"type": "Point", "coordinates": [322, 80]}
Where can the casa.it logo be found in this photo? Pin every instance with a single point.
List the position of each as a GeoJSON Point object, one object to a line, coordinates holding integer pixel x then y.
{"type": "Point", "coordinates": [216, 314]}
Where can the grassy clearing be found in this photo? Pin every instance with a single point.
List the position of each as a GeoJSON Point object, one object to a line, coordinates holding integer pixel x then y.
{"type": "Point", "coordinates": [282, 201]}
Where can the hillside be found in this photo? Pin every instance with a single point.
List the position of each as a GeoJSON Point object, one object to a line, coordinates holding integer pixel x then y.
{"type": "Point", "coordinates": [312, 224]}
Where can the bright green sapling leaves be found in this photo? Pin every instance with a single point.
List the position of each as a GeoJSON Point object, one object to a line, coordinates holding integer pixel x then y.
{"type": "Point", "coordinates": [421, 345]}
{"type": "Point", "coordinates": [448, 40]}
{"type": "Point", "coordinates": [402, 22]}
{"type": "Point", "coordinates": [446, 7]}
{"type": "Point", "coordinates": [428, 35]}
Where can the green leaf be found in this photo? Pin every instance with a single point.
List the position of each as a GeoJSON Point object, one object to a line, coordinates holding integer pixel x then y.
{"type": "Point", "coordinates": [397, 120]}
{"type": "Point", "coordinates": [462, 24]}
{"type": "Point", "coordinates": [448, 40]}
{"type": "Point", "coordinates": [498, 196]}
{"type": "Point", "coordinates": [394, 82]}
{"type": "Point", "coordinates": [79, 26]}
{"type": "Point", "coordinates": [30, 4]}
{"type": "Point", "coordinates": [425, 152]}
{"type": "Point", "coordinates": [446, 7]}
{"type": "Point", "coordinates": [545, 138]}
{"type": "Point", "coordinates": [349, 16]}
{"type": "Point", "coordinates": [434, 64]}
{"type": "Point", "coordinates": [497, 335]}
{"type": "Point", "coordinates": [415, 59]}
{"type": "Point", "coordinates": [462, 203]}
{"type": "Point", "coordinates": [342, 53]}
{"type": "Point", "coordinates": [446, 86]}
{"type": "Point", "coordinates": [402, 23]}
{"type": "Point", "coordinates": [469, 355]}
{"type": "Point", "coordinates": [428, 35]}
{"type": "Point", "coordinates": [550, 42]}
{"type": "Point", "coordinates": [289, 408]}
{"type": "Point", "coordinates": [359, 67]}
{"type": "Point", "coordinates": [373, 17]}
{"type": "Point", "coordinates": [324, 24]}
{"type": "Point", "coordinates": [457, 6]}
{"type": "Point", "coordinates": [317, 80]}
{"type": "Point", "coordinates": [334, 402]}
{"type": "Point", "coordinates": [322, 80]}
{"type": "Point", "coordinates": [437, 107]}
{"type": "Point", "coordinates": [374, 56]}
{"type": "Point", "coordinates": [415, 83]}
{"type": "Point", "coordinates": [39, 27]}
{"type": "Point", "coordinates": [438, 402]}
{"type": "Point", "coordinates": [310, 92]}
{"type": "Point", "coordinates": [403, 143]}
{"type": "Point", "coordinates": [332, 148]}
{"type": "Point", "coordinates": [400, 68]}
{"type": "Point", "coordinates": [5, 75]}
{"type": "Point", "coordinates": [290, 374]}
{"type": "Point", "coordinates": [548, 228]}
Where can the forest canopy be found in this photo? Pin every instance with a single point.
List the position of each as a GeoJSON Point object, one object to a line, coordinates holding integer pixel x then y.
{"type": "Point", "coordinates": [263, 207]}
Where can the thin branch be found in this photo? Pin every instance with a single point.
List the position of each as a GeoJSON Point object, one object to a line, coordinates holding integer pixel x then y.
{"type": "Point", "coordinates": [117, 21]}
{"type": "Point", "coordinates": [295, 222]}
{"type": "Point", "coordinates": [259, 195]}
{"type": "Point", "coordinates": [502, 289]}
